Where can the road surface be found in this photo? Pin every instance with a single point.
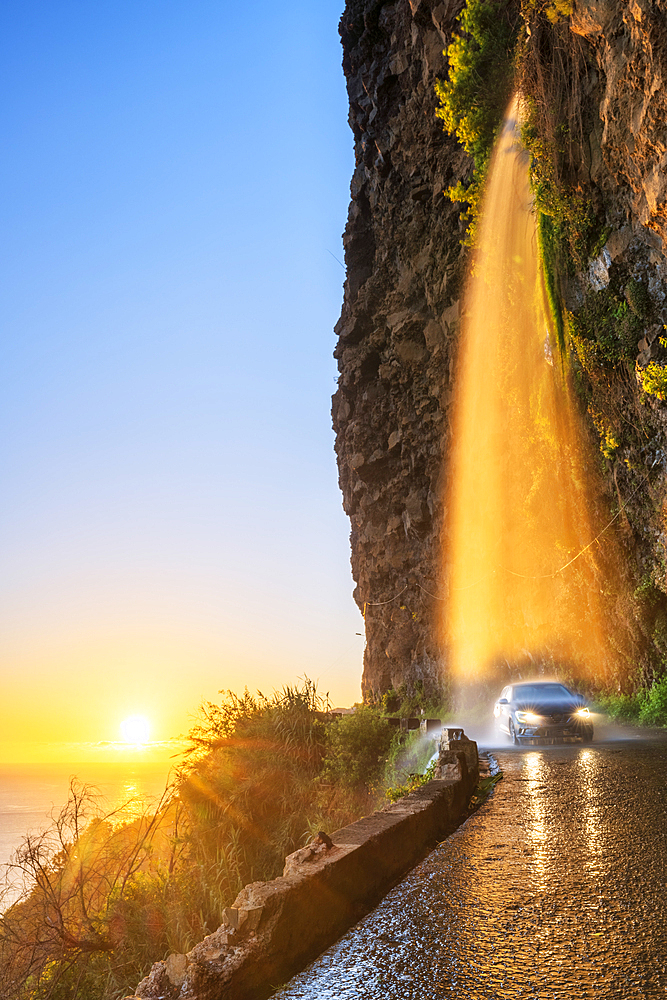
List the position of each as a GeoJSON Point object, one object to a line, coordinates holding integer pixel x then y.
{"type": "Point", "coordinates": [555, 888]}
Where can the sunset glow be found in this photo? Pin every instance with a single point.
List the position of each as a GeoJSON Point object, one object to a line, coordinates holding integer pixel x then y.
{"type": "Point", "coordinates": [136, 729]}
{"type": "Point", "coordinates": [130, 446]}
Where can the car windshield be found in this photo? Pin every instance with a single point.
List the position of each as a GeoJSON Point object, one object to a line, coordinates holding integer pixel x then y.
{"type": "Point", "coordinates": [540, 692]}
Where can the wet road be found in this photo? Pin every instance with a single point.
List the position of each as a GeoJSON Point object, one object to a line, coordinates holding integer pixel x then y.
{"type": "Point", "coordinates": [555, 888]}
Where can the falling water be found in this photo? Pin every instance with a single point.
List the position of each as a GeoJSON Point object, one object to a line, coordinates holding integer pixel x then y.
{"type": "Point", "coordinates": [524, 580]}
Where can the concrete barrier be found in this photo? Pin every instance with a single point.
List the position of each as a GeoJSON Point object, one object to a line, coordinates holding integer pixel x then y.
{"type": "Point", "coordinates": [275, 928]}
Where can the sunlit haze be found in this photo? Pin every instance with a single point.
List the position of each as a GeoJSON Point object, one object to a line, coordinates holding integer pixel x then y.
{"type": "Point", "coordinates": [176, 181]}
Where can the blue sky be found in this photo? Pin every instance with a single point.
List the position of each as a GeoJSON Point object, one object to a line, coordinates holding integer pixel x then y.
{"type": "Point", "coordinates": [176, 180]}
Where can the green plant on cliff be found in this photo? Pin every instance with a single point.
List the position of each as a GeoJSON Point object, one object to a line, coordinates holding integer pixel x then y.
{"type": "Point", "coordinates": [567, 222]}
{"type": "Point", "coordinates": [557, 9]}
{"type": "Point", "coordinates": [475, 95]}
{"type": "Point", "coordinates": [606, 322]}
{"type": "Point", "coordinates": [653, 379]}
{"type": "Point", "coordinates": [432, 702]}
{"type": "Point", "coordinates": [609, 436]}
{"type": "Point", "coordinates": [551, 69]}
{"type": "Point", "coordinates": [548, 249]}
{"type": "Point", "coordinates": [638, 298]}
{"type": "Point", "coordinates": [390, 701]}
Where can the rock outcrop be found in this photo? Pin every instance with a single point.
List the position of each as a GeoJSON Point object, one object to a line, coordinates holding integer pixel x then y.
{"type": "Point", "coordinates": [397, 331]}
{"type": "Point", "coordinates": [628, 137]}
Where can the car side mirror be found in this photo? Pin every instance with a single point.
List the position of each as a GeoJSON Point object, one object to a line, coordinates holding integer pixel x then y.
{"type": "Point", "coordinates": [503, 701]}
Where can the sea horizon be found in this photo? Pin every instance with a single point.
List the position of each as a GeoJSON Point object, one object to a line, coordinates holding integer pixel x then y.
{"type": "Point", "coordinates": [32, 794]}
{"type": "Point", "coordinates": [101, 751]}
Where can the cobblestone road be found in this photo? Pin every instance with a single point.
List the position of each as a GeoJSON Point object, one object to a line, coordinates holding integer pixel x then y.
{"type": "Point", "coordinates": [556, 888]}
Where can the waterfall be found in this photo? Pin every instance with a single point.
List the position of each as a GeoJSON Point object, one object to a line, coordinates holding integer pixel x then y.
{"type": "Point", "coordinates": [524, 581]}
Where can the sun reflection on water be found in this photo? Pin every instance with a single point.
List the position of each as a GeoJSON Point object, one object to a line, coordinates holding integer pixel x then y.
{"type": "Point", "coordinates": [596, 849]}
{"type": "Point", "coordinates": [537, 831]}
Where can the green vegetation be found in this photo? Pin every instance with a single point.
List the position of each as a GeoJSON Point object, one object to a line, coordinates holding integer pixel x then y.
{"type": "Point", "coordinates": [647, 707]}
{"type": "Point", "coordinates": [406, 703]}
{"type": "Point", "coordinates": [609, 435]}
{"type": "Point", "coordinates": [548, 249]}
{"type": "Point", "coordinates": [608, 326]}
{"type": "Point", "coordinates": [653, 378]}
{"type": "Point", "coordinates": [103, 900]}
{"type": "Point", "coordinates": [474, 97]}
{"type": "Point", "coordinates": [638, 299]}
{"type": "Point", "coordinates": [551, 68]}
{"type": "Point", "coordinates": [358, 749]}
{"type": "Point", "coordinates": [484, 789]}
{"type": "Point", "coordinates": [653, 711]}
{"type": "Point", "coordinates": [415, 780]}
{"type": "Point", "coordinates": [567, 223]}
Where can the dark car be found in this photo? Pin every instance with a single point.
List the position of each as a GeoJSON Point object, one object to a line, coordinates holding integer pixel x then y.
{"type": "Point", "coordinates": [544, 711]}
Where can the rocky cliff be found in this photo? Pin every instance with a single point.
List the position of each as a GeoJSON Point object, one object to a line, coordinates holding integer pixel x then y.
{"type": "Point", "coordinates": [397, 332]}
{"type": "Point", "coordinates": [617, 306]}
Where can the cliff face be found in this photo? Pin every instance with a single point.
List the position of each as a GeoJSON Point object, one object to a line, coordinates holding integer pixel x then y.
{"type": "Point", "coordinates": [397, 329]}
{"type": "Point", "coordinates": [624, 160]}
{"type": "Point", "coordinates": [628, 138]}
{"type": "Point", "coordinates": [399, 322]}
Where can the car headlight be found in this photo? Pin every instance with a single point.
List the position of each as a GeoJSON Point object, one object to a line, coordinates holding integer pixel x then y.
{"type": "Point", "coordinates": [582, 712]}
{"type": "Point", "coordinates": [529, 717]}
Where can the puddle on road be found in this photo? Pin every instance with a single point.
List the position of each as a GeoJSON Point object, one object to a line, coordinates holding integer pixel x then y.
{"type": "Point", "coordinates": [554, 889]}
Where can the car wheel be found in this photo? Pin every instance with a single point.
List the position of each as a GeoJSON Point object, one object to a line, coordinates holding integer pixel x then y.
{"type": "Point", "coordinates": [587, 735]}
{"type": "Point", "coordinates": [513, 736]}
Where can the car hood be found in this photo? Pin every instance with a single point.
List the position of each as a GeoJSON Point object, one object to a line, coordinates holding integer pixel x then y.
{"type": "Point", "coordinates": [551, 707]}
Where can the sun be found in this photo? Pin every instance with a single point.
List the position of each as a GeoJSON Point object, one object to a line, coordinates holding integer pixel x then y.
{"type": "Point", "coordinates": [135, 729]}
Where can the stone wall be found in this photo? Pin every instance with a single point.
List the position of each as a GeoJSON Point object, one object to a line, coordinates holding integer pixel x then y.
{"type": "Point", "coordinates": [275, 928]}
{"type": "Point", "coordinates": [397, 331]}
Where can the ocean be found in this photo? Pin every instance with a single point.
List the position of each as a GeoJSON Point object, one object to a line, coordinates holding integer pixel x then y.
{"type": "Point", "coordinates": [30, 794]}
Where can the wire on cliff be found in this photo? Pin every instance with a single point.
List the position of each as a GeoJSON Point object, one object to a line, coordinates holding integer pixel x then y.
{"type": "Point", "coordinates": [377, 604]}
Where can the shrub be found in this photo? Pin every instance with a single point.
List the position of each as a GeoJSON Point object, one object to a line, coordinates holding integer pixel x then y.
{"type": "Point", "coordinates": [653, 379]}
{"type": "Point", "coordinates": [68, 935]}
{"type": "Point", "coordinates": [605, 321]}
{"type": "Point", "coordinates": [653, 711]}
{"type": "Point", "coordinates": [249, 787]}
{"type": "Point", "coordinates": [621, 707]}
{"type": "Point", "coordinates": [391, 701]}
{"type": "Point", "coordinates": [414, 781]}
{"type": "Point", "coordinates": [609, 436]}
{"type": "Point", "coordinates": [357, 749]}
{"type": "Point", "coordinates": [474, 97]}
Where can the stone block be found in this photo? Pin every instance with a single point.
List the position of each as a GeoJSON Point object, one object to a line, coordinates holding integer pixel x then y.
{"type": "Point", "coordinates": [176, 967]}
